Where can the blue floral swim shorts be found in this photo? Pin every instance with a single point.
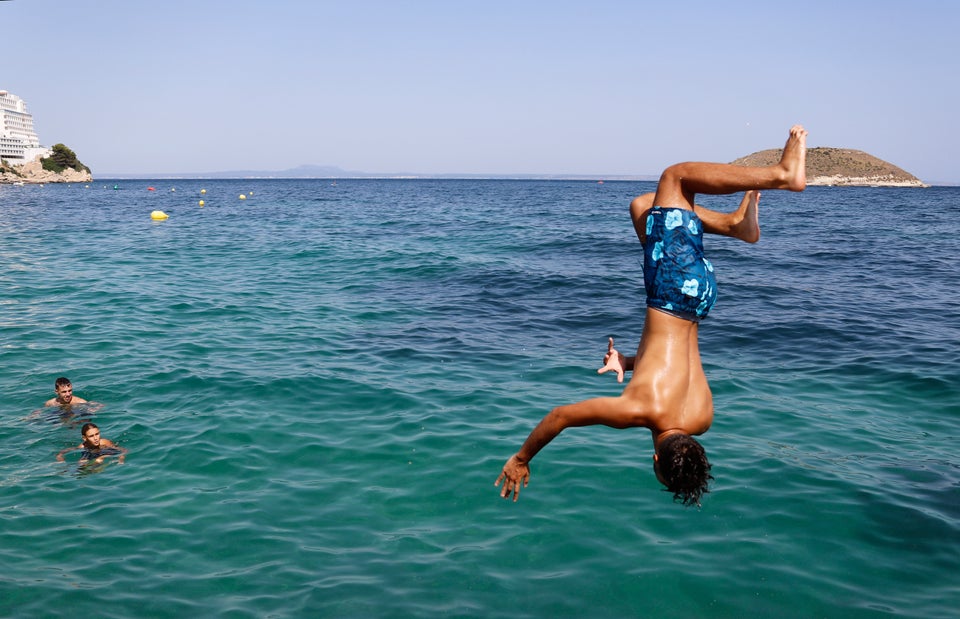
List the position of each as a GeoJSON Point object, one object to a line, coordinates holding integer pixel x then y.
{"type": "Point", "coordinates": [678, 278]}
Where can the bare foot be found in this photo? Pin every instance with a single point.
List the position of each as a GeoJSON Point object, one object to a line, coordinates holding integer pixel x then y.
{"type": "Point", "coordinates": [794, 159]}
{"type": "Point", "coordinates": [747, 226]}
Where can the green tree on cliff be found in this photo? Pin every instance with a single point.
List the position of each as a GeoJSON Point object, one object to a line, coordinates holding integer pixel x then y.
{"type": "Point", "coordinates": [61, 159]}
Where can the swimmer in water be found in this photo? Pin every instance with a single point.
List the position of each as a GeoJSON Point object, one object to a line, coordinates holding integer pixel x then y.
{"type": "Point", "coordinates": [64, 390]}
{"type": "Point", "coordinates": [668, 392]}
{"type": "Point", "coordinates": [94, 448]}
{"type": "Point", "coordinates": [65, 398]}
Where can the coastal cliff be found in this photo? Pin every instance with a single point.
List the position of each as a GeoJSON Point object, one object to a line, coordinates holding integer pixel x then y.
{"type": "Point", "coordinates": [33, 173]}
{"type": "Point", "coordinates": [841, 167]}
{"type": "Point", "coordinates": [62, 166]}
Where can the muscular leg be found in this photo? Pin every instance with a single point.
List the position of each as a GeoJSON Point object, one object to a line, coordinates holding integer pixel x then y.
{"type": "Point", "coordinates": [741, 224]}
{"type": "Point", "coordinates": [679, 183]}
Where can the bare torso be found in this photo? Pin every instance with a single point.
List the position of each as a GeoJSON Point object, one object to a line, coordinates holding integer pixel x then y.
{"type": "Point", "coordinates": [668, 377]}
{"type": "Point", "coordinates": [58, 402]}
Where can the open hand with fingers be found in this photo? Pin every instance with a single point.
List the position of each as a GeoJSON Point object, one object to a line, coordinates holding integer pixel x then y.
{"type": "Point", "coordinates": [514, 472]}
{"type": "Point", "coordinates": [613, 361]}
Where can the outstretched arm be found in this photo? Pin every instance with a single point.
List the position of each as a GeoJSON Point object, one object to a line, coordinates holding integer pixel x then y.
{"type": "Point", "coordinates": [615, 412]}
{"type": "Point", "coordinates": [112, 445]}
{"type": "Point", "coordinates": [64, 452]}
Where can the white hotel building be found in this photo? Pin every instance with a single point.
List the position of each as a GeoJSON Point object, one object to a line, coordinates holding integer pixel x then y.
{"type": "Point", "coordinates": [18, 141]}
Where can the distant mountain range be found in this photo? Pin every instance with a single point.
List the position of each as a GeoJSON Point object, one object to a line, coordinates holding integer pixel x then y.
{"type": "Point", "coordinates": [326, 171]}
{"type": "Point", "coordinates": [825, 166]}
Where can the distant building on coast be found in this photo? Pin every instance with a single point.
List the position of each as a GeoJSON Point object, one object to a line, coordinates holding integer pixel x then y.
{"type": "Point", "coordinates": [18, 141]}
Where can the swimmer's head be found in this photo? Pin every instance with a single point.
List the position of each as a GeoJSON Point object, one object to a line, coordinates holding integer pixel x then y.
{"type": "Point", "coordinates": [681, 465]}
{"type": "Point", "coordinates": [64, 389]}
{"type": "Point", "coordinates": [91, 435]}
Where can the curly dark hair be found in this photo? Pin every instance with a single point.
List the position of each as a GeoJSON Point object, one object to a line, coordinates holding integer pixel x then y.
{"type": "Point", "coordinates": [684, 468]}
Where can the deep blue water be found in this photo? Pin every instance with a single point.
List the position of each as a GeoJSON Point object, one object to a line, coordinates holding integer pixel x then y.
{"type": "Point", "coordinates": [319, 384]}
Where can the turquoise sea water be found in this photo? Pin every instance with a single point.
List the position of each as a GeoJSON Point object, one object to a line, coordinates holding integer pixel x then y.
{"type": "Point", "coordinates": [318, 386]}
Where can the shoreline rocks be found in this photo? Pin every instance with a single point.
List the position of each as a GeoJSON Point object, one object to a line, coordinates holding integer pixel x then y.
{"type": "Point", "coordinates": [838, 180]}
{"type": "Point", "coordinates": [33, 173]}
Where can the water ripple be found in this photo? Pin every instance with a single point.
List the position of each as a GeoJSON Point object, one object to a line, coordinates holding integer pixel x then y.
{"type": "Point", "coordinates": [318, 387]}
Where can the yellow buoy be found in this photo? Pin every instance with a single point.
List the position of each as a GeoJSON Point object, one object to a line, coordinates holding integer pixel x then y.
{"type": "Point", "coordinates": [203, 191]}
{"type": "Point", "coordinates": [249, 193]}
{"type": "Point", "coordinates": [158, 215]}
{"type": "Point", "coordinates": [243, 197]}
{"type": "Point", "coordinates": [201, 203]}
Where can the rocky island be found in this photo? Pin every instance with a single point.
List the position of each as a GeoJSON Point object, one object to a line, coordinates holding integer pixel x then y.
{"type": "Point", "coordinates": [841, 167]}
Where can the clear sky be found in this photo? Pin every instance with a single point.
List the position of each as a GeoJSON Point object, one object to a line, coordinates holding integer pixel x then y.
{"type": "Point", "coordinates": [554, 87]}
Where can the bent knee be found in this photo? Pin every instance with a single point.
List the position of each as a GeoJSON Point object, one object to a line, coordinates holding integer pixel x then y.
{"type": "Point", "coordinates": [642, 203]}
{"type": "Point", "coordinates": [639, 208]}
{"type": "Point", "coordinates": [673, 174]}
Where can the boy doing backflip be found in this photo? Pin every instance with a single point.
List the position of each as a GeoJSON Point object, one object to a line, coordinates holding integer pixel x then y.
{"type": "Point", "coordinates": [668, 391]}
